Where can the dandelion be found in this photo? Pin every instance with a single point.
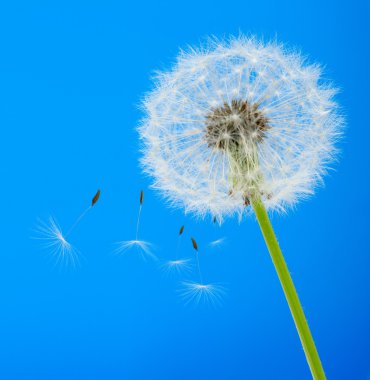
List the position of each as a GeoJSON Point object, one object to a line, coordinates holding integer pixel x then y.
{"type": "Point", "coordinates": [53, 238]}
{"type": "Point", "coordinates": [143, 247]}
{"type": "Point", "coordinates": [235, 119]}
{"type": "Point", "coordinates": [241, 126]}
{"type": "Point", "coordinates": [178, 265]}
{"type": "Point", "coordinates": [199, 291]}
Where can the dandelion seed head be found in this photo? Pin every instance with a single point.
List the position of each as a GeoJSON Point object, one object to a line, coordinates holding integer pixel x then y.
{"type": "Point", "coordinates": [232, 103]}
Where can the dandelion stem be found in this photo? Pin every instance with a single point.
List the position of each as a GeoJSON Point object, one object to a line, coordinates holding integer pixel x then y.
{"type": "Point", "coordinates": [291, 295]}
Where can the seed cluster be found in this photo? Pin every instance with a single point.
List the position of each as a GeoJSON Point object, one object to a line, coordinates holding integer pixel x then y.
{"type": "Point", "coordinates": [233, 124]}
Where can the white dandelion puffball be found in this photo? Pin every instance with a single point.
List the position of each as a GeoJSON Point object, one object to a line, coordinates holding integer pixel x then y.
{"type": "Point", "coordinates": [234, 119]}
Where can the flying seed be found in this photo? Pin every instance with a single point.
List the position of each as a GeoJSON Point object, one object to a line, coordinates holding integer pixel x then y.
{"type": "Point", "coordinates": [96, 198]}
{"type": "Point", "coordinates": [181, 230]}
{"type": "Point", "coordinates": [141, 197]}
{"type": "Point", "coordinates": [195, 245]}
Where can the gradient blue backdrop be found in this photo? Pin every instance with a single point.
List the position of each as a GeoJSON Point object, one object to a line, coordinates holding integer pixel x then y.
{"type": "Point", "coordinates": [71, 76]}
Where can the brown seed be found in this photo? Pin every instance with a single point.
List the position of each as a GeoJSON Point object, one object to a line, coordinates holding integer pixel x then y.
{"type": "Point", "coordinates": [181, 230]}
{"type": "Point", "coordinates": [195, 245]}
{"type": "Point", "coordinates": [141, 197]}
{"type": "Point", "coordinates": [251, 124]}
{"type": "Point", "coordinates": [96, 198]}
{"type": "Point", "coordinates": [214, 219]}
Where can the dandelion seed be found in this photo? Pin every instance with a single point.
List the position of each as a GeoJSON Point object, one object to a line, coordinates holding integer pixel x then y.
{"type": "Point", "coordinates": [53, 239]}
{"type": "Point", "coordinates": [141, 197]}
{"type": "Point", "coordinates": [195, 245]}
{"type": "Point", "coordinates": [179, 241]}
{"type": "Point", "coordinates": [61, 249]}
{"type": "Point", "coordinates": [78, 220]}
{"type": "Point", "coordinates": [178, 265]}
{"type": "Point", "coordinates": [95, 198]}
{"type": "Point", "coordinates": [143, 247]}
{"type": "Point", "coordinates": [199, 291]}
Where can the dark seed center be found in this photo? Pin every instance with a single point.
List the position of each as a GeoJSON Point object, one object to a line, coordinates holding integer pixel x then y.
{"type": "Point", "coordinates": [234, 124]}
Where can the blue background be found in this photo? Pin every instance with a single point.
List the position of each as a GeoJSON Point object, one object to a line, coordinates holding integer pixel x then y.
{"type": "Point", "coordinates": [71, 78]}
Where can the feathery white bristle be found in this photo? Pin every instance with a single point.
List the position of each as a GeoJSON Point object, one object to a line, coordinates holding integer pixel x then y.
{"type": "Point", "coordinates": [53, 239]}
{"type": "Point", "coordinates": [143, 247]}
{"type": "Point", "coordinates": [202, 293]}
{"type": "Point", "coordinates": [178, 266]}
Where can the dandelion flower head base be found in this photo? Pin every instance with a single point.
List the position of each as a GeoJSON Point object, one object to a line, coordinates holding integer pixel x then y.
{"type": "Point", "coordinates": [236, 129]}
{"type": "Point", "coordinates": [235, 124]}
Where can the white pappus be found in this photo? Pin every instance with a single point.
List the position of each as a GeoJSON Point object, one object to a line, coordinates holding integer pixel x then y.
{"type": "Point", "coordinates": [240, 95]}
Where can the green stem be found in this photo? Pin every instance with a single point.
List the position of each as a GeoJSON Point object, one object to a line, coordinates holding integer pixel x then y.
{"type": "Point", "coordinates": [291, 295]}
